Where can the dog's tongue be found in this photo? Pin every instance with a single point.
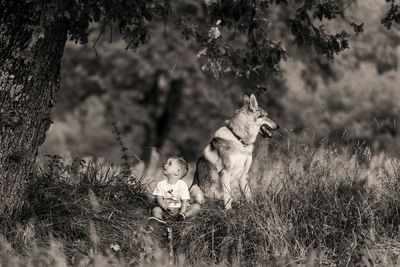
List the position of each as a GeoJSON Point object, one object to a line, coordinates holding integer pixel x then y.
{"type": "Point", "coordinates": [264, 131]}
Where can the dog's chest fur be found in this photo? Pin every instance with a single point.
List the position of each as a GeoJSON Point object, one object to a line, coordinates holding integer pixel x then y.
{"type": "Point", "coordinates": [238, 162]}
{"type": "Point", "coordinates": [228, 153]}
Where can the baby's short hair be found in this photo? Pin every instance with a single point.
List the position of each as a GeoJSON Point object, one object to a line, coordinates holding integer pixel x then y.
{"type": "Point", "coordinates": [182, 165]}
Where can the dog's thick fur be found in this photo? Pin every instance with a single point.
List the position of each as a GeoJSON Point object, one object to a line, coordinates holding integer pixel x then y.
{"type": "Point", "coordinates": [223, 169]}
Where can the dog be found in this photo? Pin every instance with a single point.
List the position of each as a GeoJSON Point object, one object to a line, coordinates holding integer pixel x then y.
{"type": "Point", "coordinates": [223, 169]}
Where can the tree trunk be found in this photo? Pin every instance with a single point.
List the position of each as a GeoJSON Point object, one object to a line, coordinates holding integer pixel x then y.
{"type": "Point", "coordinates": [158, 130]}
{"type": "Point", "coordinates": [29, 85]}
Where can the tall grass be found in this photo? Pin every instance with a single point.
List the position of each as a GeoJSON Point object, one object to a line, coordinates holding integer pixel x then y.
{"type": "Point", "coordinates": [316, 206]}
{"type": "Point", "coordinates": [310, 207]}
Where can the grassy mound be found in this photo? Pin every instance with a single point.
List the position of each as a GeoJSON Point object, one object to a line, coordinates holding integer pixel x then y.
{"type": "Point", "coordinates": [319, 207]}
{"type": "Point", "coordinates": [89, 209]}
{"type": "Point", "coordinates": [310, 207]}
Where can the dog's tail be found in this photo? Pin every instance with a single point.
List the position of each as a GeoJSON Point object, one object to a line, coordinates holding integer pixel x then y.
{"type": "Point", "coordinates": [196, 180]}
{"type": "Point", "coordinates": [202, 174]}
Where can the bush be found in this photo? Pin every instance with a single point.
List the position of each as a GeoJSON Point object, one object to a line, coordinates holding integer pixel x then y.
{"type": "Point", "coordinates": [359, 109]}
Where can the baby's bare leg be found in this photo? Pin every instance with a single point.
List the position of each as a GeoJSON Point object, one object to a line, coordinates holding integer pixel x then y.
{"type": "Point", "coordinates": [192, 210]}
{"type": "Point", "coordinates": [157, 212]}
{"type": "Point", "coordinates": [196, 194]}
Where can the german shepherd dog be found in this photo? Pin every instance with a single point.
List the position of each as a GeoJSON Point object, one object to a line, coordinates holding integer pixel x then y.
{"type": "Point", "coordinates": [223, 169]}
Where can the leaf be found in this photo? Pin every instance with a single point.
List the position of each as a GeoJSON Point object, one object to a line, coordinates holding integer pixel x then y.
{"type": "Point", "coordinates": [202, 52]}
{"type": "Point", "coordinates": [358, 28]}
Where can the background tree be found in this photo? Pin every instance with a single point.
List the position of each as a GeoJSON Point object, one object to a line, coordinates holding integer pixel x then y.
{"type": "Point", "coordinates": [33, 34]}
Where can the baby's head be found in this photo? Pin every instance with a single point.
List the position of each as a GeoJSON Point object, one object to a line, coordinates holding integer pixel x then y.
{"type": "Point", "coordinates": [176, 167]}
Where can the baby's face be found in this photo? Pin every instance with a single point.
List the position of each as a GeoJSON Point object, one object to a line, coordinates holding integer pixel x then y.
{"type": "Point", "coordinates": [171, 168]}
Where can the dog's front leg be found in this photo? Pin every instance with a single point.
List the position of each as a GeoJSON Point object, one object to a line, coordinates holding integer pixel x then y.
{"type": "Point", "coordinates": [245, 187]}
{"type": "Point", "coordinates": [226, 188]}
{"type": "Point", "coordinates": [244, 183]}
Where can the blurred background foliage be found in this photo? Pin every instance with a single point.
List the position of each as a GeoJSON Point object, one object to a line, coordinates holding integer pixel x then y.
{"type": "Point", "coordinates": [163, 96]}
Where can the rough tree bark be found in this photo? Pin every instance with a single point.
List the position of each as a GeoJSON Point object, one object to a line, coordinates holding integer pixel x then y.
{"type": "Point", "coordinates": [29, 85]}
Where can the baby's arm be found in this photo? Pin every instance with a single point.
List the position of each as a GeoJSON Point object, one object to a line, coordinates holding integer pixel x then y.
{"type": "Point", "coordinates": [185, 196]}
{"type": "Point", "coordinates": [161, 202]}
{"type": "Point", "coordinates": [184, 205]}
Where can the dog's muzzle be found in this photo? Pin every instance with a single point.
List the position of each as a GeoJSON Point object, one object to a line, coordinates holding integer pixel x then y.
{"type": "Point", "coordinates": [266, 131]}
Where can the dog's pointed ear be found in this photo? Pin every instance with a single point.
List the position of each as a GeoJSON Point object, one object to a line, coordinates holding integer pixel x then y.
{"type": "Point", "coordinates": [253, 105]}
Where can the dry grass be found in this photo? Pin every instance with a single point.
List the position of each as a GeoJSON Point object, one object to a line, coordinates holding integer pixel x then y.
{"type": "Point", "coordinates": [311, 207]}
{"type": "Point", "coordinates": [320, 206]}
